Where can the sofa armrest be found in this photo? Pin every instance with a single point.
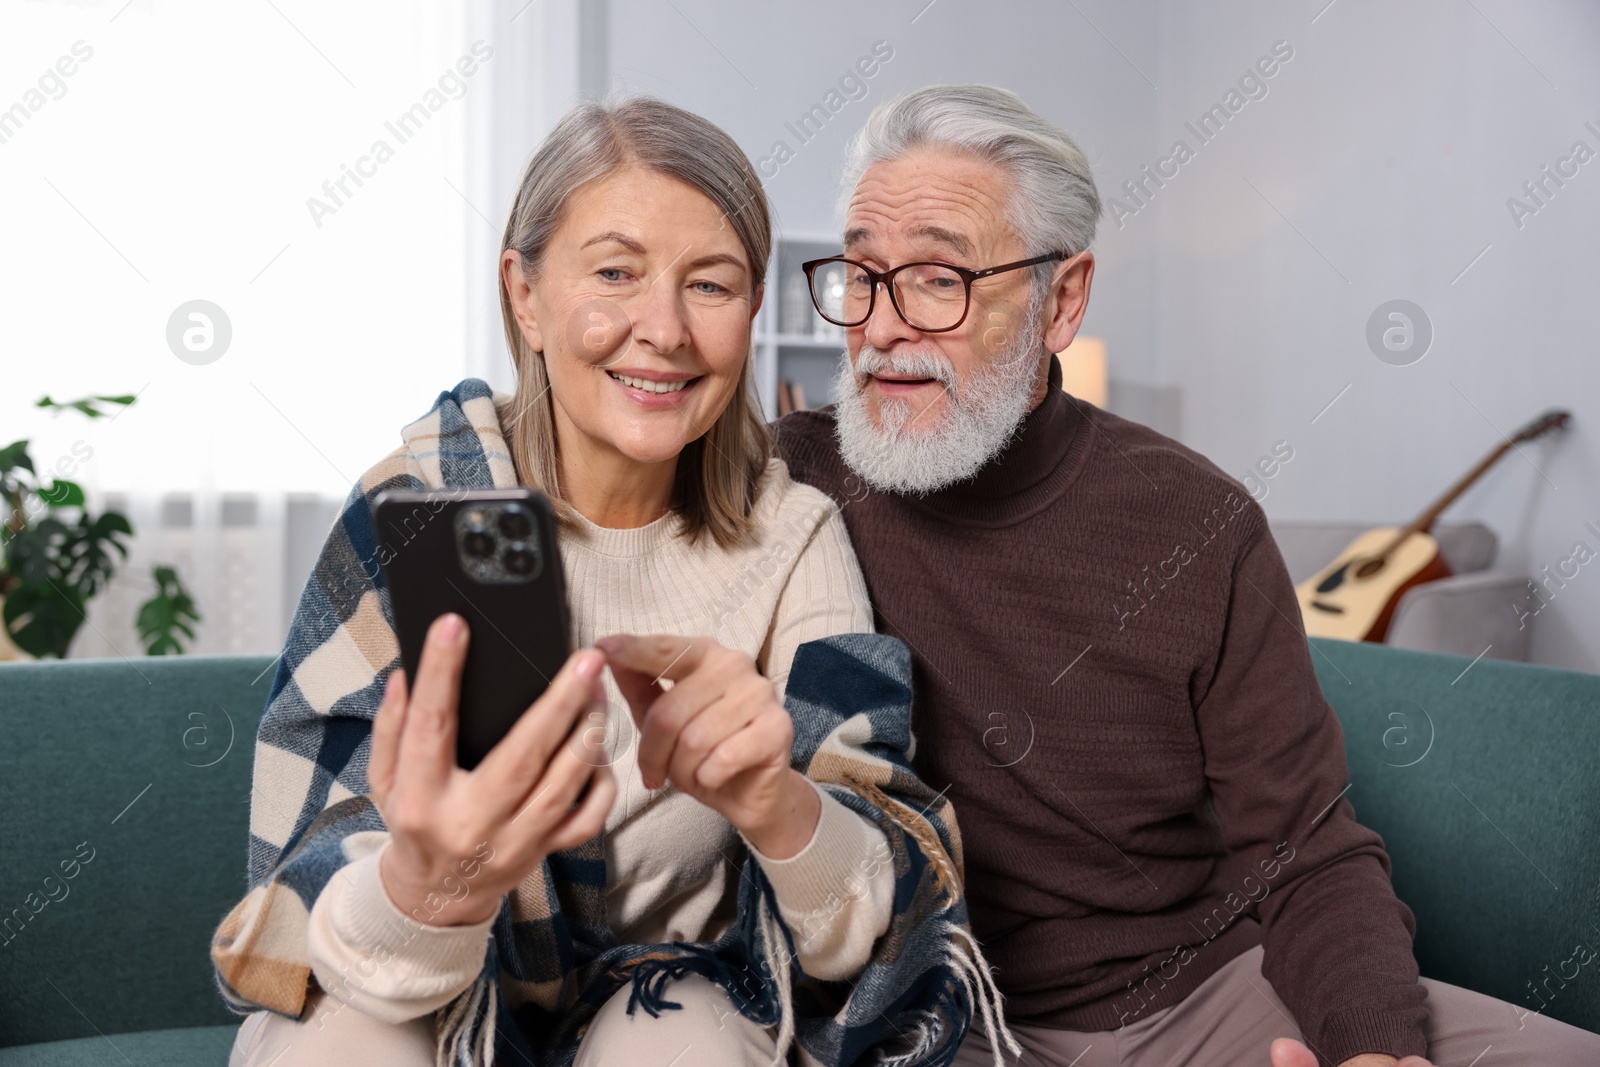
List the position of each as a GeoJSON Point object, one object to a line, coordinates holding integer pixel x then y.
{"type": "Point", "coordinates": [1464, 614]}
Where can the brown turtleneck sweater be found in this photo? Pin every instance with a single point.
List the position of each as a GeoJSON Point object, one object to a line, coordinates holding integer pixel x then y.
{"type": "Point", "coordinates": [1112, 683]}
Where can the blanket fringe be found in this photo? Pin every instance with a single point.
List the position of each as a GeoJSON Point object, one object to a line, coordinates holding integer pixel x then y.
{"type": "Point", "coordinates": [927, 1035]}
{"type": "Point", "coordinates": [972, 971]}
{"type": "Point", "coordinates": [651, 977]}
{"type": "Point", "coordinates": [465, 1028]}
{"type": "Point", "coordinates": [986, 996]}
{"type": "Point", "coordinates": [772, 946]}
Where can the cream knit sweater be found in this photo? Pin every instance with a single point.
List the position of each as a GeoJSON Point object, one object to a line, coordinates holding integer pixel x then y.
{"type": "Point", "coordinates": [672, 864]}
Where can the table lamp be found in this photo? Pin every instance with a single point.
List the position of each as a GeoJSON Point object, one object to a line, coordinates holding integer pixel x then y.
{"type": "Point", "coordinates": [1083, 369]}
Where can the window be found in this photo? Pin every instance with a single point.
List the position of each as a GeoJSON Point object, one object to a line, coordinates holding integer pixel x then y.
{"type": "Point", "coordinates": [297, 165]}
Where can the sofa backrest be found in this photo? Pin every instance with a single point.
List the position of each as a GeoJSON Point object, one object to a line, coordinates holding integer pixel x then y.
{"type": "Point", "coordinates": [1484, 780]}
{"type": "Point", "coordinates": [135, 777]}
{"type": "Point", "coordinates": [125, 790]}
{"type": "Point", "coordinates": [1307, 547]}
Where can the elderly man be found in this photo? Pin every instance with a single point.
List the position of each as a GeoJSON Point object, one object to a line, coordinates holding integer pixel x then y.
{"type": "Point", "coordinates": [1160, 862]}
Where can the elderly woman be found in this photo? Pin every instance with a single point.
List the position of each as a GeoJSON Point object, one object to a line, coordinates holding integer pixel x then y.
{"type": "Point", "coordinates": [404, 910]}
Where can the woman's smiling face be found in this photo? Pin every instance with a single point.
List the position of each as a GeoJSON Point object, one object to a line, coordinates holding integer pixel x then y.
{"type": "Point", "coordinates": [642, 307]}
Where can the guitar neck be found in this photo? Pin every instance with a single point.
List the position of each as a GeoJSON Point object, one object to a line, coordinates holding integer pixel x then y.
{"type": "Point", "coordinates": [1430, 515]}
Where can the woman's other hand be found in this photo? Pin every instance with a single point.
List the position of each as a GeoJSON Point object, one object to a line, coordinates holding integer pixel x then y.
{"type": "Point", "coordinates": [460, 840]}
{"type": "Point", "coordinates": [718, 734]}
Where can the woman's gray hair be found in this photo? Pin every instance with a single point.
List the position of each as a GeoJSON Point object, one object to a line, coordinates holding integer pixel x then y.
{"type": "Point", "coordinates": [593, 140]}
{"type": "Point", "coordinates": [717, 477]}
{"type": "Point", "coordinates": [1054, 204]}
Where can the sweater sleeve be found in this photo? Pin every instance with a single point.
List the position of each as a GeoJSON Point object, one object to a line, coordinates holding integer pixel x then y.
{"type": "Point", "coordinates": [837, 894]}
{"type": "Point", "coordinates": [373, 957]}
{"type": "Point", "coordinates": [824, 595]}
{"type": "Point", "coordinates": [1337, 941]}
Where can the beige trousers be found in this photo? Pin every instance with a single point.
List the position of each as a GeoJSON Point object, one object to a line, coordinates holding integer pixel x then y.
{"type": "Point", "coordinates": [1234, 1016]}
{"type": "Point", "coordinates": [707, 1029]}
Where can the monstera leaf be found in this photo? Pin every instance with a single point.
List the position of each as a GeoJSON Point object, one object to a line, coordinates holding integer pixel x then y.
{"type": "Point", "coordinates": [170, 610]}
{"type": "Point", "coordinates": [14, 457]}
{"type": "Point", "coordinates": [85, 557]}
{"type": "Point", "coordinates": [55, 556]}
{"type": "Point", "coordinates": [32, 552]}
{"type": "Point", "coordinates": [60, 494]}
{"type": "Point", "coordinates": [41, 619]}
{"type": "Point", "coordinates": [89, 405]}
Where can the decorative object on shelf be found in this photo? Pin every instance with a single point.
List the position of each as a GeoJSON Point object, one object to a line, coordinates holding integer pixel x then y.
{"type": "Point", "coordinates": [1083, 369]}
{"type": "Point", "coordinates": [795, 314]}
{"type": "Point", "coordinates": [791, 397]}
{"type": "Point", "coordinates": [791, 342]}
{"type": "Point", "coordinates": [55, 556]}
{"type": "Point", "coordinates": [1354, 597]}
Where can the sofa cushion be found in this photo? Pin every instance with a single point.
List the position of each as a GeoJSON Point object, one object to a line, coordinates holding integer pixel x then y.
{"type": "Point", "coordinates": [198, 1046]}
{"type": "Point", "coordinates": [134, 777]}
{"type": "Point", "coordinates": [1481, 779]}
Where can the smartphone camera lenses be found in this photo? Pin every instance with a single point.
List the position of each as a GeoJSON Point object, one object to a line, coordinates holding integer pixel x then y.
{"type": "Point", "coordinates": [498, 543]}
{"type": "Point", "coordinates": [515, 523]}
{"type": "Point", "coordinates": [478, 541]}
{"type": "Point", "coordinates": [520, 559]}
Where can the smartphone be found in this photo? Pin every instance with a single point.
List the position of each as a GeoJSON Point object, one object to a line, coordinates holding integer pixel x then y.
{"type": "Point", "coordinates": [490, 555]}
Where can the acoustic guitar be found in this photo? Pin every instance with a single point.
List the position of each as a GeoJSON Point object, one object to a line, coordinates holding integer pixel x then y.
{"type": "Point", "coordinates": [1354, 597]}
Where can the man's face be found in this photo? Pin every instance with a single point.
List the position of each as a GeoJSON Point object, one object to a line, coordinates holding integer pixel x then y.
{"type": "Point", "coordinates": [941, 206]}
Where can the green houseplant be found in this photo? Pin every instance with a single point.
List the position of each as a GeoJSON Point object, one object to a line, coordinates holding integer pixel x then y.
{"type": "Point", "coordinates": [55, 556]}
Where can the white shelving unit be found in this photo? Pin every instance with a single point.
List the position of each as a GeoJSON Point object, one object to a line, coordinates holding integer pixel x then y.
{"type": "Point", "coordinates": [791, 340]}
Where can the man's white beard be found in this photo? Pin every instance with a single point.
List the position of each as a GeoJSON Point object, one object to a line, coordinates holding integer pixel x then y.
{"type": "Point", "coordinates": [908, 454]}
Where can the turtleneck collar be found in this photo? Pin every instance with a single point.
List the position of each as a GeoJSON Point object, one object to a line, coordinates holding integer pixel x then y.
{"type": "Point", "coordinates": [1031, 472]}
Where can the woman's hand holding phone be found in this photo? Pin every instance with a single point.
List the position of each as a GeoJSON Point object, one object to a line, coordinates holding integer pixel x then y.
{"type": "Point", "coordinates": [719, 734]}
{"type": "Point", "coordinates": [487, 828]}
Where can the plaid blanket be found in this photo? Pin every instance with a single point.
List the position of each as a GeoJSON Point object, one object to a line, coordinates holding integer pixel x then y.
{"type": "Point", "coordinates": [551, 965]}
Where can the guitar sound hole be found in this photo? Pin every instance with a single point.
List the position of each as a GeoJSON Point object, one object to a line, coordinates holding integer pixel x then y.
{"type": "Point", "coordinates": [1369, 567]}
{"type": "Point", "coordinates": [1334, 580]}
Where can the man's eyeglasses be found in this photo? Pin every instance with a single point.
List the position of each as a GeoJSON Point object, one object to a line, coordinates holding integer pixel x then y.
{"type": "Point", "coordinates": [928, 297]}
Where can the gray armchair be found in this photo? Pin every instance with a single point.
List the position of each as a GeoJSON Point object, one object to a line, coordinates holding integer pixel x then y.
{"type": "Point", "coordinates": [1473, 609]}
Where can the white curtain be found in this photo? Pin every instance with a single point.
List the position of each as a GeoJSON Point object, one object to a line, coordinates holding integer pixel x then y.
{"type": "Point", "coordinates": [244, 556]}
{"type": "Point", "coordinates": [183, 160]}
{"type": "Point", "coordinates": [550, 54]}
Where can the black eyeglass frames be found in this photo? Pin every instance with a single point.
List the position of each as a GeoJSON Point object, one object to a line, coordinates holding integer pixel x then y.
{"type": "Point", "coordinates": [929, 297]}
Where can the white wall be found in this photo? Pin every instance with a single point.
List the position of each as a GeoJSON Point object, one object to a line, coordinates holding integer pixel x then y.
{"type": "Point", "coordinates": [1381, 158]}
{"type": "Point", "coordinates": [1391, 142]}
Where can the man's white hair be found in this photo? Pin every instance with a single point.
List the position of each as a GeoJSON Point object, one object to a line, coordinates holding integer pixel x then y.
{"type": "Point", "coordinates": [1053, 205]}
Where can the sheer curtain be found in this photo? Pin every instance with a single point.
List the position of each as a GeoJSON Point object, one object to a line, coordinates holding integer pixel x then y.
{"type": "Point", "coordinates": [332, 181]}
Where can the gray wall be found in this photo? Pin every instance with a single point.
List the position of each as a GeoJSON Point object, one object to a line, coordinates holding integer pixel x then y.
{"type": "Point", "coordinates": [1376, 166]}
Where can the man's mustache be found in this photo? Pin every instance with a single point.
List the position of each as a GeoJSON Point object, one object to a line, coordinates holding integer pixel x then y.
{"type": "Point", "coordinates": [870, 361]}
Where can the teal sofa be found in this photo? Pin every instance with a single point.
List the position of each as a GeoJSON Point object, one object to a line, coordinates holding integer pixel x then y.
{"type": "Point", "coordinates": [135, 776]}
{"type": "Point", "coordinates": [148, 762]}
